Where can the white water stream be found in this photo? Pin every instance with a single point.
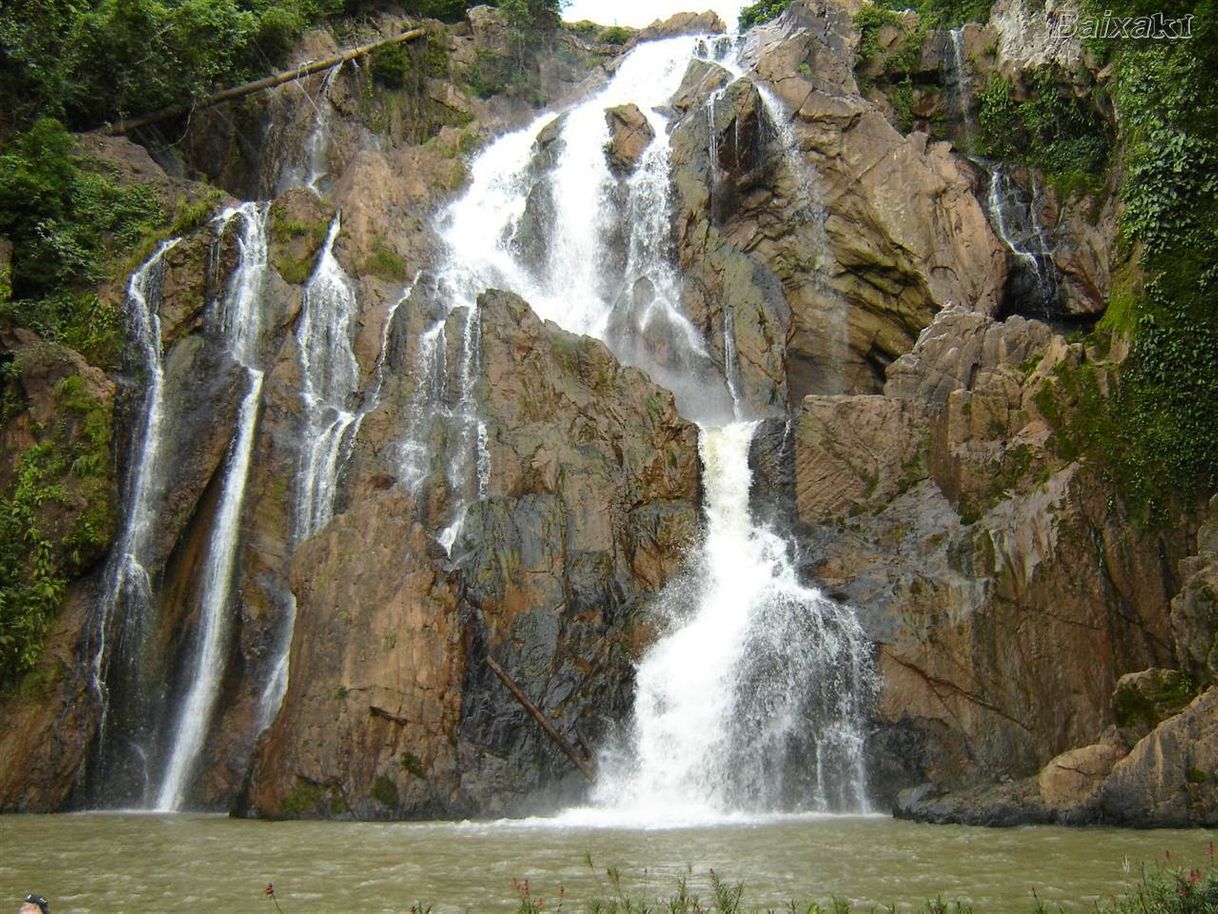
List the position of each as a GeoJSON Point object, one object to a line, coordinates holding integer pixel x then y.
{"type": "Point", "coordinates": [241, 321]}
{"type": "Point", "coordinates": [330, 381]}
{"type": "Point", "coordinates": [127, 591]}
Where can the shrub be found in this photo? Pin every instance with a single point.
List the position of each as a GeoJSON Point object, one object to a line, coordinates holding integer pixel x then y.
{"type": "Point", "coordinates": [759, 12]}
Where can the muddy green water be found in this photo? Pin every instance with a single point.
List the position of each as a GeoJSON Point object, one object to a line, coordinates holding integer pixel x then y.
{"type": "Point", "coordinates": [119, 863]}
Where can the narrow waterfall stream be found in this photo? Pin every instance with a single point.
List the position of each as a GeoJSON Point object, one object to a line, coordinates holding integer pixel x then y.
{"type": "Point", "coordinates": [1014, 218]}
{"type": "Point", "coordinates": [241, 321]}
{"type": "Point", "coordinates": [753, 697]}
{"type": "Point", "coordinates": [330, 383]}
{"type": "Point", "coordinates": [125, 606]}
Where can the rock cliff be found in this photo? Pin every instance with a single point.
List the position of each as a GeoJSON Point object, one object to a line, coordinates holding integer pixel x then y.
{"type": "Point", "coordinates": [502, 490]}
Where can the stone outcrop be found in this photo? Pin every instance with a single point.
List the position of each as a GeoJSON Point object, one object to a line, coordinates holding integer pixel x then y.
{"type": "Point", "coordinates": [1194, 610]}
{"type": "Point", "coordinates": [860, 233]}
{"type": "Point", "coordinates": [977, 553]}
{"type": "Point", "coordinates": [630, 135]}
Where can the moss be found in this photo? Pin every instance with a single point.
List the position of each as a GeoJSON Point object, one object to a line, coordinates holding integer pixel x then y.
{"type": "Point", "coordinates": [411, 763]}
{"type": "Point", "coordinates": [1196, 776]}
{"type": "Point", "coordinates": [306, 798]}
{"type": "Point", "coordinates": [391, 66]}
{"type": "Point", "coordinates": [1151, 699]}
{"type": "Point", "coordinates": [385, 792]}
{"type": "Point", "coordinates": [284, 229]}
{"type": "Point", "coordinates": [57, 514]}
{"type": "Point", "coordinates": [294, 270]}
{"type": "Point", "coordinates": [385, 263]}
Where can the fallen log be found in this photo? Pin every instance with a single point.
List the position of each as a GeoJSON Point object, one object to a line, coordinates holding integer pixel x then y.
{"type": "Point", "coordinates": [126, 125]}
{"type": "Point", "coordinates": [582, 763]}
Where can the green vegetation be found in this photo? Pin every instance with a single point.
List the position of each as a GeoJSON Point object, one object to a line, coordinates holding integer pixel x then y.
{"type": "Point", "coordinates": [946, 14]}
{"type": "Point", "coordinates": [56, 514]}
{"type": "Point", "coordinates": [531, 26]}
{"type": "Point", "coordinates": [1165, 413]}
{"type": "Point", "coordinates": [384, 262]}
{"type": "Point", "coordinates": [72, 225]}
{"type": "Point", "coordinates": [759, 12]}
{"type": "Point", "coordinates": [614, 34]}
{"type": "Point", "coordinates": [1051, 129]}
{"type": "Point", "coordinates": [385, 792]}
{"type": "Point", "coordinates": [899, 62]}
{"type": "Point", "coordinates": [1152, 700]}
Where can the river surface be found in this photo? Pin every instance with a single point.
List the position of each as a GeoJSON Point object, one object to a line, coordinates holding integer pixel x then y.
{"type": "Point", "coordinates": [97, 862]}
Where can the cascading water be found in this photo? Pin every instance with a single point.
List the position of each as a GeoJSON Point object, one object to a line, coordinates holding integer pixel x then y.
{"type": "Point", "coordinates": [958, 78]}
{"type": "Point", "coordinates": [1014, 218]}
{"type": "Point", "coordinates": [240, 318]}
{"type": "Point", "coordinates": [330, 383]}
{"type": "Point", "coordinates": [754, 697]}
{"type": "Point", "coordinates": [125, 607]}
{"type": "Point", "coordinates": [310, 170]}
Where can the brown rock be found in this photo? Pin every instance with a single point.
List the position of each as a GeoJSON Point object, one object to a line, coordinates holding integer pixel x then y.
{"type": "Point", "coordinates": [377, 667]}
{"type": "Point", "coordinates": [630, 134]}
{"type": "Point", "coordinates": [706, 23]}
{"type": "Point", "coordinates": [1073, 778]}
{"type": "Point", "coordinates": [1194, 610]}
{"type": "Point", "coordinates": [976, 572]}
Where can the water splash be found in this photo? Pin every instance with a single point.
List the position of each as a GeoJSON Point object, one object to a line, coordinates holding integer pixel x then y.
{"type": "Point", "coordinates": [754, 698]}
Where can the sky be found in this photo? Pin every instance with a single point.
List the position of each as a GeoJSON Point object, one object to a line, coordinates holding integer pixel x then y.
{"type": "Point", "coordinates": [638, 13]}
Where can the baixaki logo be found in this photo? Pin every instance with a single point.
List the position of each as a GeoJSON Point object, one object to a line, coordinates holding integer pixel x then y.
{"type": "Point", "coordinates": [1156, 26]}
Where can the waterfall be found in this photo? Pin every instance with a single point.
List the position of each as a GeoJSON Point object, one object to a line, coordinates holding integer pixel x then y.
{"type": "Point", "coordinates": [330, 381]}
{"type": "Point", "coordinates": [310, 172]}
{"type": "Point", "coordinates": [1014, 218]}
{"type": "Point", "coordinates": [126, 599]}
{"type": "Point", "coordinates": [754, 696]}
{"type": "Point", "coordinates": [752, 699]}
{"type": "Point", "coordinates": [958, 79]}
{"type": "Point", "coordinates": [241, 321]}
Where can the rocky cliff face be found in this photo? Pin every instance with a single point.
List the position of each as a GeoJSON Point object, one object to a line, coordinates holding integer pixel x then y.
{"type": "Point", "coordinates": [591, 497]}
{"type": "Point", "coordinates": [978, 553]}
{"type": "Point", "coordinates": [919, 452]}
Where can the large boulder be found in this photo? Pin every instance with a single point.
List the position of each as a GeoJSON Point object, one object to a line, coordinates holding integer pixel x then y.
{"type": "Point", "coordinates": [630, 134]}
{"type": "Point", "coordinates": [1170, 778]}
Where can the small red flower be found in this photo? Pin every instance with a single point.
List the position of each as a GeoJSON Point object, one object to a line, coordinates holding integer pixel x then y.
{"type": "Point", "coordinates": [269, 890]}
{"type": "Point", "coordinates": [1194, 876]}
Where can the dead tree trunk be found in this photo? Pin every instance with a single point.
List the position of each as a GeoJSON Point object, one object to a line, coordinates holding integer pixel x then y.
{"type": "Point", "coordinates": [118, 128]}
{"type": "Point", "coordinates": [583, 764]}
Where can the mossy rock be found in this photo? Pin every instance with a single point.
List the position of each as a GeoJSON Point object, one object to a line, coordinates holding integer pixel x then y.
{"type": "Point", "coordinates": [1144, 699]}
